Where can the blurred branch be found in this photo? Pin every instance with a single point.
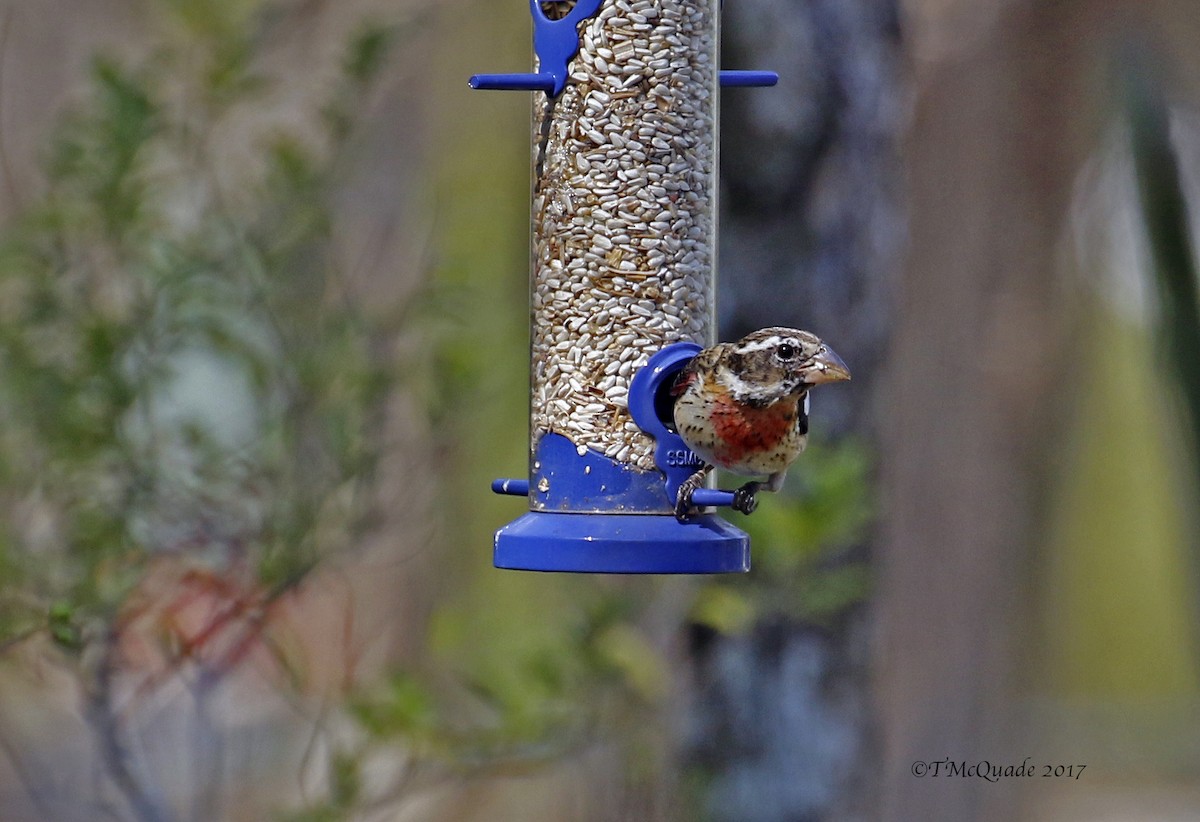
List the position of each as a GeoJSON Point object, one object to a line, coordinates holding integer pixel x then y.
{"type": "Point", "coordinates": [1165, 210]}
{"type": "Point", "coordinates": [102, 716]}
{"type": "Point", "coordinates": [38, 790]}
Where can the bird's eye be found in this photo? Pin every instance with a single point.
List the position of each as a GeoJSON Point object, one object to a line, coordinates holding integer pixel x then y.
{"type": "Point", "coordinates": [787, 351]}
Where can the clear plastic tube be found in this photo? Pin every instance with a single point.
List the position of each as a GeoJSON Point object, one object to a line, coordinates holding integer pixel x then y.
{"type": "Point", "coordinates": [623, 217]}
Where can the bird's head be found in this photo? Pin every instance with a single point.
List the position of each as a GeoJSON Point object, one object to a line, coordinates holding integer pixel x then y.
{"type": "Point", "coordinates": [768, 365]}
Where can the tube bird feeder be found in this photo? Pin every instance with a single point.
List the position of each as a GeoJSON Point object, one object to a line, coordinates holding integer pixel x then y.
{"type": "Point", "coordinates": [622, 286]}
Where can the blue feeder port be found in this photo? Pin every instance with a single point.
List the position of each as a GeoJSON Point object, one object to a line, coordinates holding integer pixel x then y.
{"type": "Point", "coordinates": [589, 513]}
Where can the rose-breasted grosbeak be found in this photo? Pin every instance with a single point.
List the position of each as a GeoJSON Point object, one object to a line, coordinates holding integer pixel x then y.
{"type": "Point", "coordinates": [743, 406]}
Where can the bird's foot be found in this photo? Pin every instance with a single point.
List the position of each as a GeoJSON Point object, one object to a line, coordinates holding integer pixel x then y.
{"type": "Point", "coordinates": [744, 499]}
{"type": "Point", "coordinates": [683, 500]}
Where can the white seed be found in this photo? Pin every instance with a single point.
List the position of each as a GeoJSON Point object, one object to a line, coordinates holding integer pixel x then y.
{"type": "Point", "coordinates": [622, 216]}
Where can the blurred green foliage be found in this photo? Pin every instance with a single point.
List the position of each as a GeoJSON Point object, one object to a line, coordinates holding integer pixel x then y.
{"type": "Point", "coordinates": [1115, 658]}
{"type": "Point", "coordinates": [1166, 221]}
{"type": "Point", "coordinates": [143, 280]}
{"type": "Point", "coordinates": [1174, 267]}
{"type": "Point", "coordinates": [1114, 585]}
{"type": "Point", "coordinates": [802, 543]}
{"type": "Point", "coordinates": [182, 369]}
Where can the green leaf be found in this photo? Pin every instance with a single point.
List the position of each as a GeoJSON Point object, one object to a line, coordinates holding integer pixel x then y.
{"type": "Point", "coordinates": [63, 629]}
{"type": "Point", "coordinates": [404, 708]}
{"type": "Point", "coordinates": [367, 52]}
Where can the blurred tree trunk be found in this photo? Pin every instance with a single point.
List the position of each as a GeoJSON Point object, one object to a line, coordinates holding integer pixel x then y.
{"type": "Point", "coordinates": [1005, 94]}
{"type": "Point", "coordinates": [810, 230]}
{"type": "Point", "coordinates": [810, 224]}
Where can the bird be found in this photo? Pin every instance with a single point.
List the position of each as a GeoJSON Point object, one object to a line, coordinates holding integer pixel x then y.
{"type": "Point", "coordinates": [743, 406]}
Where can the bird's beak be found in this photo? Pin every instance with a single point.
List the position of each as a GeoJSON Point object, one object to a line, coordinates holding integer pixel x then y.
{"type": "Point", "coordinates": [827, 366]}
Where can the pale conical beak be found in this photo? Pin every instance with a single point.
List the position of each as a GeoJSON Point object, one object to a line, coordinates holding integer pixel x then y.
{"type": "Point", "coordinates": [827, 366]}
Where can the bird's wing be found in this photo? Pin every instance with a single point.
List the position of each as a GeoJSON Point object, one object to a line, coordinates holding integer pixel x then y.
{"type": "Point", "coordinates": [802, 416]}
{"type": "Point", "coordinates": [705, 361]}
{"type": "Point", "coordinates": [686, 376]}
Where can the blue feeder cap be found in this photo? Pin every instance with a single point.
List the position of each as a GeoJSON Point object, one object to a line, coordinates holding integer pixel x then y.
{"type": "Point", "coordinates": [556, 43]}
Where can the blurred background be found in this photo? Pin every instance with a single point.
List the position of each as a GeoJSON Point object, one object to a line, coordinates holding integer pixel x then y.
{"type": "Point", "coordinates": [263, 345]}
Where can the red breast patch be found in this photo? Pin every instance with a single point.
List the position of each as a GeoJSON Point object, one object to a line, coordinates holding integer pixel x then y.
{"type": "Point", "coordinates": [743, 429]}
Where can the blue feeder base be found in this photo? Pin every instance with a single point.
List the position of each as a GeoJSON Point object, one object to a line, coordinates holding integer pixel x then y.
{"type": "Point", "coordinates": [621, 544]}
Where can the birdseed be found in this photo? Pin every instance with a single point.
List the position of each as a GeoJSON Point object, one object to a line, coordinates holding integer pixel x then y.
{"type": "Point", "coordinates": [623, 216]}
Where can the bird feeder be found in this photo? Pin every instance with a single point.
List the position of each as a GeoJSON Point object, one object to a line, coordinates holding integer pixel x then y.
{"type": "Point", "coordinates": [622, 287]}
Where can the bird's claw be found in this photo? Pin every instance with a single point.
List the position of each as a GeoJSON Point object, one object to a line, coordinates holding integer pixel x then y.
{"type": "Point", "coordinates": [684, 510]}
{"type": "Point", "coordinates": [744, 499]}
